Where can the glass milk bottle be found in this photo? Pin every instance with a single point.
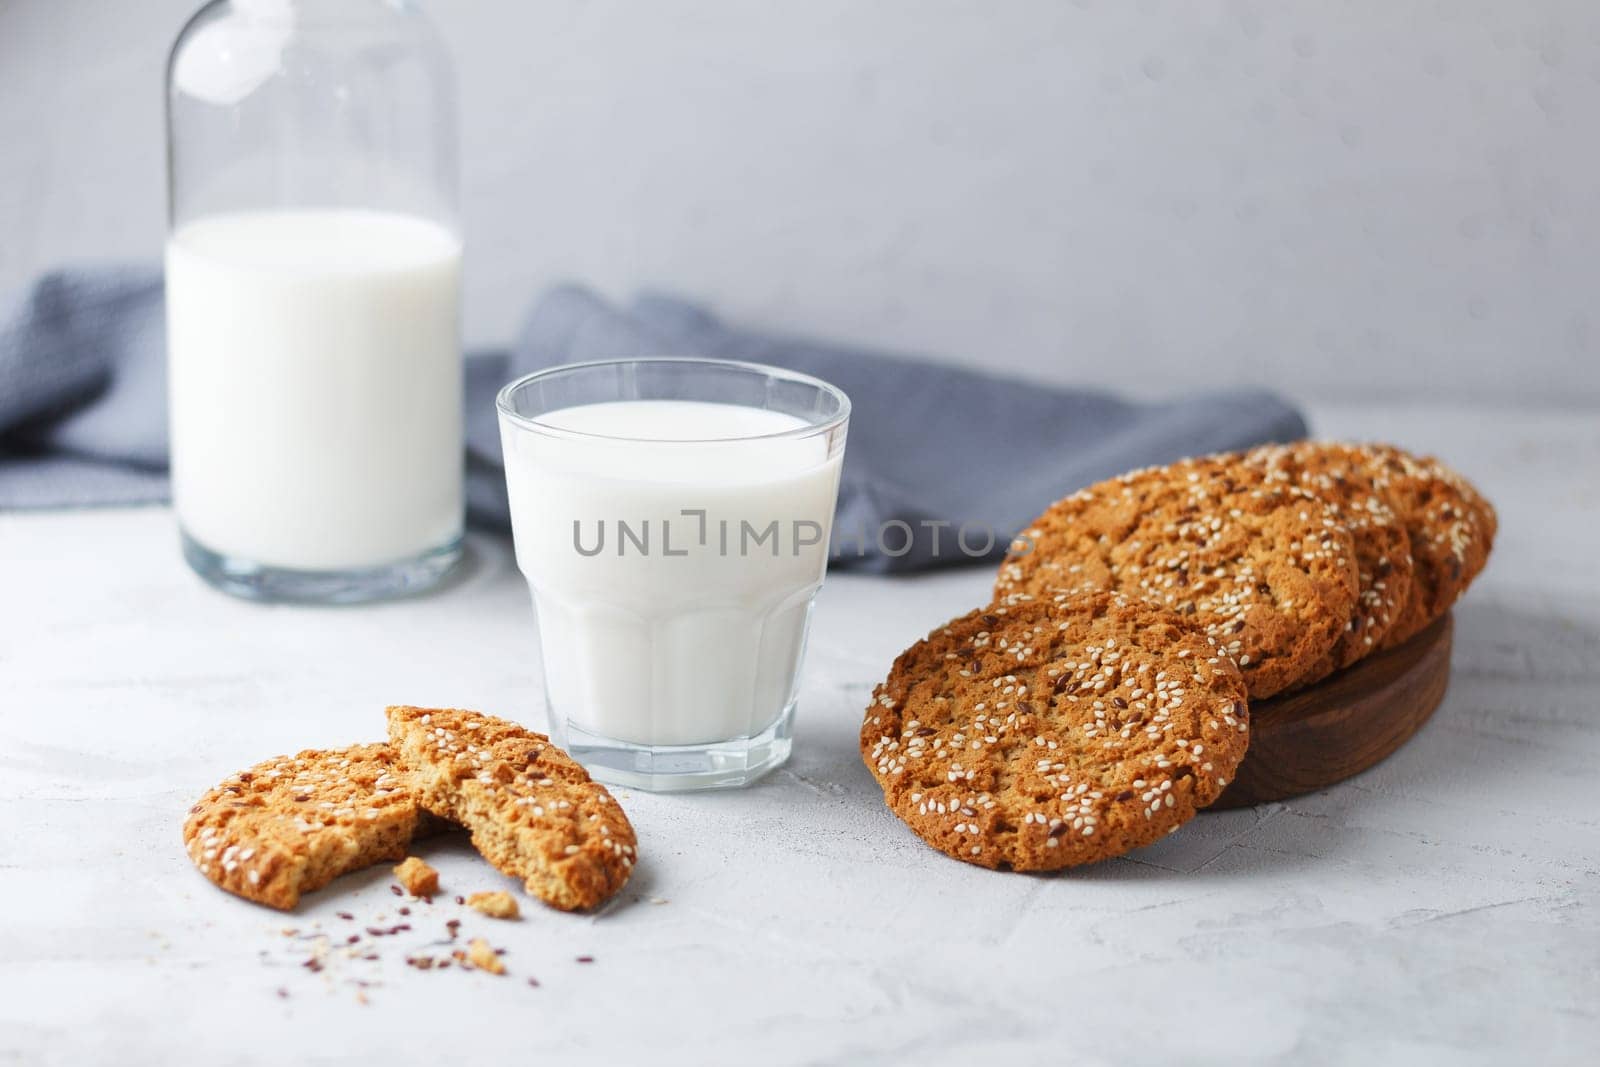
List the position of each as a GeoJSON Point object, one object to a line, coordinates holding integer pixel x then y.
{"type": "Point", "coordinates": [313, 277]}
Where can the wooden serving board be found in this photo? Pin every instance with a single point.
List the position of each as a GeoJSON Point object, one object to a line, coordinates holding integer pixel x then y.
{"type": "Point", "coordinates": [1339, 727]}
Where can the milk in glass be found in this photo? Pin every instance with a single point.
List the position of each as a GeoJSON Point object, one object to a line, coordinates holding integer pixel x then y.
{"type": "Point", "coordinates": [673, 548]}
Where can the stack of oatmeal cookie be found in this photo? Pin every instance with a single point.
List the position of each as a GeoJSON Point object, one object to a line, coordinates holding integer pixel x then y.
{"type": "Point", "coordinates": [1100, 700]}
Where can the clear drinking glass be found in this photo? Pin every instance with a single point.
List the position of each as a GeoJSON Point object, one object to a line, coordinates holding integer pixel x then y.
{"type": "Point", "coordinates": [313, 277]}
{"type": "Point", "coordinates": [672, 519]}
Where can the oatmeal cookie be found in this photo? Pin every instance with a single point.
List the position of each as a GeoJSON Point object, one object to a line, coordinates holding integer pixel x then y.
{"type": "Point", "coordinates": [1263, 567]}
{"type": "Point", "coordinates": [1037, 734]}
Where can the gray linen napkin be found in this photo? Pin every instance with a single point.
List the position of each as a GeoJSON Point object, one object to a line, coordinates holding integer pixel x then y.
{"type": "Point", "coordinates": [932, 448]}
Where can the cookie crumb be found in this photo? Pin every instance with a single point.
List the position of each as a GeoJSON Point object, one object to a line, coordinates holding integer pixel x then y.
{"type": "Point", "coordinates": [419, 879]}
{"type": "Point", "coordinates": [497, 905]}
{"type": "Point", "coordinates": [483, 957]}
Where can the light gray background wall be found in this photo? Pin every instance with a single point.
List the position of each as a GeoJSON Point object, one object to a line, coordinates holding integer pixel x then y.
{"type": "Point", "coordinates": [1339, 199]}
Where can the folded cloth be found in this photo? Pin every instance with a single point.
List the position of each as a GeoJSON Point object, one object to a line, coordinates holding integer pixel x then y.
{"type": "Point", "coordinates": [935, 451]}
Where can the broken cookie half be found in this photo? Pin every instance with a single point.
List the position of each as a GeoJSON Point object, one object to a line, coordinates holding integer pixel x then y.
{"type": "Point", "coordinates": [295, 823]}
{"type": "Point", "coordinates": [533, 812]}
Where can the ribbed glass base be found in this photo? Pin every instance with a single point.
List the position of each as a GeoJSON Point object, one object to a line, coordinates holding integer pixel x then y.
{"type": "Point", "coordinates": [679, 768]}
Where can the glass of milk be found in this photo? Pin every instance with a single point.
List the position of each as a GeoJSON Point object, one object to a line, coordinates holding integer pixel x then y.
{"type": "Point", "coordinates": [672, 517]}
{"type": "Point", "coordinates": [313, 271]}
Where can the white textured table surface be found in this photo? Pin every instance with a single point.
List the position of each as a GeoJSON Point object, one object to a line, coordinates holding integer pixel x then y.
{"type": "Point", "coordinates": [1440, 908]}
